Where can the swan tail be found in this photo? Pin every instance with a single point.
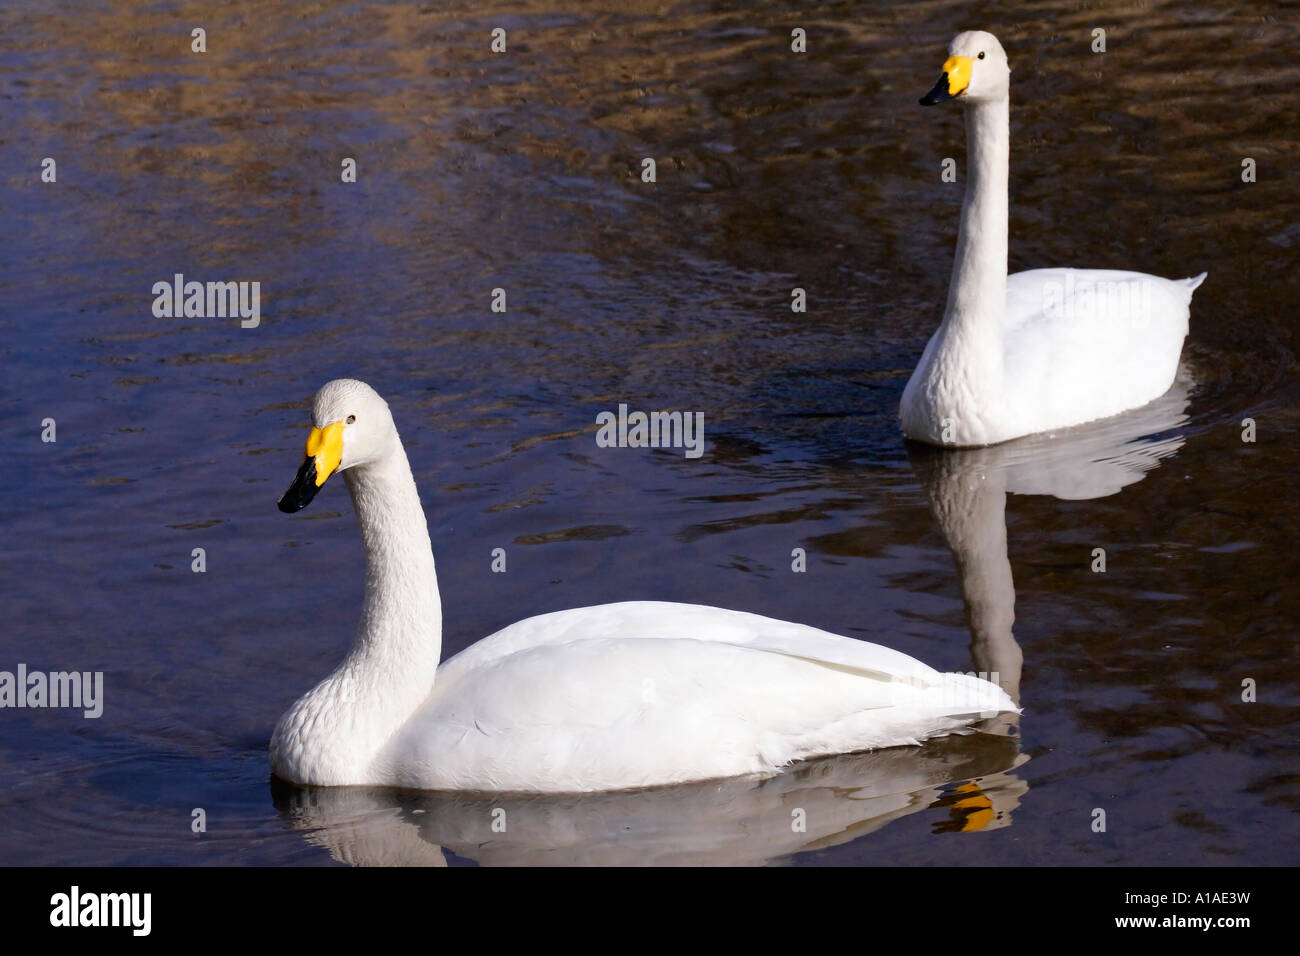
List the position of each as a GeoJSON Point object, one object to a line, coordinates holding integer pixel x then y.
{"type": "Point", "coordinates": [969, 696]}
{"type": "Point", "coordinates": [1194, 283]}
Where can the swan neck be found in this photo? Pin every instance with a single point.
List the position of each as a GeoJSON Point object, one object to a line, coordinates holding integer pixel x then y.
{"type": "Point", "coordinates": [334, 734]}
{"type": "Point", "coordinates": [400, 632]}
{"type": "Point", "coordinates": [978, 291]}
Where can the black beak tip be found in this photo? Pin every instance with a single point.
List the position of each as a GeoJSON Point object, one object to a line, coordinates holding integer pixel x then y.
{"type": "Point", "coordinates": [302, 491]}
{"type": "Point", "coordinates": [938, 94]}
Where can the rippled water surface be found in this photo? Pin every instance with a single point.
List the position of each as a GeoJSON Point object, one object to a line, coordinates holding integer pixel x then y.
{"type": "Point", "coordinates": [521, 171]}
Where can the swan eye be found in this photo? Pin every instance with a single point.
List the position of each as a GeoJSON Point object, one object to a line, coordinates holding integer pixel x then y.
{"type": "Point", "coordinates": [981, 56]}
{"type": "Point", "coordinates": [351, 419]}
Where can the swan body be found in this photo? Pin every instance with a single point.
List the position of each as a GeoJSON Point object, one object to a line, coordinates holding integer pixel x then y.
{"type": "Point", "coordinates": [1037, 350]}
{"type": "Point", "coordinates": [599, 698]}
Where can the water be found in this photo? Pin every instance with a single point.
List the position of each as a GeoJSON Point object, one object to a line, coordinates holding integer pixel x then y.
{"type": "Point", "coordinates": [521, 172]}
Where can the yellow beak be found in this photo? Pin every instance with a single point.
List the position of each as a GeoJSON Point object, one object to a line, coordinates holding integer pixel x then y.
{"type": "Point", "coordinates": [955, 80]}
{"type": "Point", "coordinates": [324, 452]}
{"type": "Point", "coordinates": [326, 446]}
{"type": "Point", "coordinates": [957, 69]}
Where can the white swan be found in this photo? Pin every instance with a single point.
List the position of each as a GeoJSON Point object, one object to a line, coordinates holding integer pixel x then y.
{"type": "Point", "coordinates": [1038, 350]}
{"type": "Point", "coordinates": [597, 698]}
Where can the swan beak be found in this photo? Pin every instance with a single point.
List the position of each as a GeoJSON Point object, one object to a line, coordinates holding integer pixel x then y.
{"type": "Point", "coordinates": [324, 452]}
{"type": "Point", "coordinates": [953, 83]}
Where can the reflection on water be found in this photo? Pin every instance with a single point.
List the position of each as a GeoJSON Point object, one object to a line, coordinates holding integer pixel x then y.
{"type": "Point", "coordinates": [968, 488]}
{"type": "Point", "coordinates": [478, 171]}
{"type": "Point", "coordinates": [736, 822]}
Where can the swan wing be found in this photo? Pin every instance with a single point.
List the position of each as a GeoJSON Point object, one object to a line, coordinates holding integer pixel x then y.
{"type": "Point", "coordinates": [1084, 344]}
{"type": "Point", "coordinates": [643, 693]}
{"type": "Point", "coordinates": [653, 620]}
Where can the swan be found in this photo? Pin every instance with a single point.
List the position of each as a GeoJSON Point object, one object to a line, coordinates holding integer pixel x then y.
{"type": "Point", "coordinates": [1037, 350]}
{"type": "Point", "coordinates": [612, 697]}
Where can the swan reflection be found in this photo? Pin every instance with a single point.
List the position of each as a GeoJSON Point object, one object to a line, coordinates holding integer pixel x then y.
{"type": "Point", "coordinates": [968, 489]}
{"type": "Point", "coordinates": [739, 821]}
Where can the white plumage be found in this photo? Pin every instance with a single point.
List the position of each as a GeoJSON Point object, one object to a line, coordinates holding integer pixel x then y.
{"type": "Point", "coordinates": [598, 698]}
{"type": "Point", "coordinates": [1037, 350]}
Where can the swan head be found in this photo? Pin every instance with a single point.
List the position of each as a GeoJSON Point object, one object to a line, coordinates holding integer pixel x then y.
{"type": "Point", "coordinates": [976, 71]}
{"type": "Point", "coordinates": [351, 426]}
